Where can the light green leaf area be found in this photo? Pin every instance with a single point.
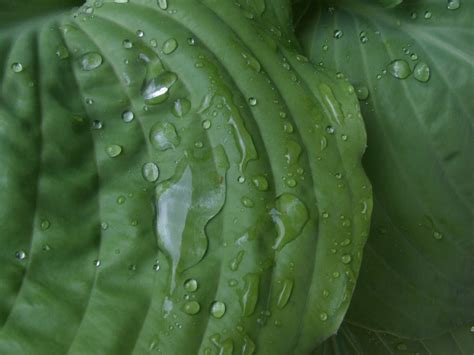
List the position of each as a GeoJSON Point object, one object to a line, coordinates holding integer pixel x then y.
{"type": "Point", "coordinates": [174, 179]}
{"type": "Point", "coordinates": [352, 339]}
{"type": "Point", "coordinates": [412, 67]}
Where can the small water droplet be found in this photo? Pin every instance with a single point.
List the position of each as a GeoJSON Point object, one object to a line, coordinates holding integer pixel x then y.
{"type": "Point", "coordinates": [206, 124]}
{"type": "Point", "coordinates": [454, 4]}
{"type": "Point", "coordinates": [325, 215]}
{"type": "Point", "coordinates": [46, 247]}
{"type": "Point", "coordinates": [181, 107]}
{"type": "Point", "coordinates": [127, 44]}
{"type": "Point", "coordinates": [362, 92]}
{"type": "Point", "coordinates": [330, 129]}
{"type": "Point", "coordinates": [247, 202]}
{"type": "Point", "coordinates": [156, 90]}
{"type": "Point", "coordinates": [45, 224]}
{"type": "Point", "coordinates": [114, 150]}
{"type": "Point", "coordinates": [399, 69]}
{"type": "Point", "coordinates": [291, 182]}
{"type": "Point", "coordinates": [323, 316]}
{"type": "Point", "coordinates": [62, 52]}
{"type": "Point", "coordinates": [413, 56]}
{"type": "Point", "coordinates": [128, 116]}
{"type": "Point", "coordinates": [338, 34]}
{"type": "Point", "coordinates": [192, 307]}
{"type": "Point", "coordinates": [140, 34]}
{"type": "Point", "coordinates": [97, 124]}
{"type": "Point", "coordinates": [91, 61]}
{"type": "Point", "coordinates": [17, 67]}
{"type": "Point", "coordinates": [97, 263]}
{"type": "Point", "coordinates": [252, 101]}
{"type": "Point", "coordinates": [260, 182]}
{"type": "Point", "coordinates": [191, 41]}
{"type": "Point", "coordinates": [191, 285]}
{"type": "Point", "coordinates": [363, 37]}
{"type": "Point", "coordinates": [150, 172]}
{"type": "Point", "coordinates": [325, 47]}
{"type": "Point", "coordinates": [346, 259]}
{"type": "Point", "coordinates": [422, 72]}
{"type": "Point", "coordinates": [121, 200]}
{"type": "Point", "coordinates": [336, 274]}
{"type": "Point", "coordinates": [413, 15]}
{"type": "Point", "coordinates": [437, 235]}
{"type": "Point", "coordinates": [163, 136]}
{"type": "Point", "coordinates": [428, 15]}
{"type": "Point", "coordinates": [218, 309]}
{"type": "Point", "coordinates": [241, 179]}
{"type": "Point", "coordinates": [170, 46]}
{"type": "Point", "coordinates": [20, 255]}
{"type": "Point", "coordinates": [163, 4]}
{"type": "Point", "coordinates": [285, 293]}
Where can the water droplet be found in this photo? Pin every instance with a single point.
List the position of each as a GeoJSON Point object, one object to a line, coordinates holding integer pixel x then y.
{"type": "Point", "coordinates": [192, 307]}
{"type": "Point", "coordinates": [323, 316]}
{"type": "Point", "coordinates": [150, 172]}
{"type": "Point", "coordinates": [251, 61]}
{"type": "Point", "coordinates": [288, 127]}
{"type": "Point", "coordinates": [206, 124]}
{"type": "Point", "coordinates": [260, 182]}
{"type": "Point", "coordinates": [156, 90]}
{"type": "Point", "coordinates": [330, 129]}
{"type": "Point", "coordinates": [127, 44]}
{"type": "Point", "coordinates": [285, 293]}
{"type": "Point", "coordinates": [91, 61]}
{"type": "Point", "coordinates": [454, 4]}
{"type": "Point", "coordinates": [252, 101]}
{"type": "Point", "coordinates": [121, 200]}
{"type": "Point", "coordinates": [89, 101]}
{"type": "Point", "coordinates": [163, 4]}
{"type": "Point", "coordinates": [247, 202]}
{"type": "Point", "coordinates": [46, 247]}
{"type": "Point", "coordinates": [121, 1]}
{"type": "Point", "coordinates": [362, 92]}
{"type": "Point", "coordinates": [97, 263]}
{"type": "Point", "coordinates": [17, 67]}
{"type": "Point", "coordinates": [346, 259]}
{"type": "Point", "coordinates": [291, 182]}
{"type": "Point", "coordinates": [249, 296]}
{"type": "Point", "coordinates": [45, 224]}
{"type": "Point", "coordinates": [413, 56]}
{"type": "Point", "coordinates": [428, 15]}
{"type": "Point", "coordinates": [422, 72]}
{"type": "Point", "coordinates": [140, 34]}
{"type": "Point", "coordinates": [170, 46]}
{"type": "Point", "coordinates": [437, 235]}
{"type": "Point", "coordinates": [62, 52]}
{"type": "Point", "coordinates": [325, 215]}
{"type": "Point", "coordinates": [325, 47]}
{"type": "Point", "coordinates": [156, 266]}
{"type": "Point", "coordinates": [20, 255]}
{"type": "Point", "coordinates": [336, 274]}
{"type": "Point", "coordinates": [218, 309]}
{"type": "Point", "coordinates": [181, 107]}
{"type": "Point", "coordinates": [338, 34]}
{"type": "Point", "coordinates": [114, 150]}
{"type": "Point", "coordinates": [235, 262]}
{"type": "Point", "coordinates": [346, 242]}
{"type": "Point", "coordinates": [325, 293]}
{"type": "Point", "coordinates": [241, 179]}
{"type": "Point", "coordinates": [97, 124]}
{"type": "Point", "coordinates": [191, 285]}
{"type": "Point", "coordinates": [128, 116]}
{"type": "Point", "coordinates": [413, 15]}
{"type": "Point", "coordinates": [104, 226]}
{"type": "Point", "coordinates": [163, 136]}
{"type": "Point", "coordinates": [399, 69]}
{"type": "Point", "coordinates": [289, 216]}
{"type": "Point", "coordinates": [402, 347]}
{"type": "Point", "coordinates": [191, 41]}
{"type": "Point", "coordinates": [363, 37]}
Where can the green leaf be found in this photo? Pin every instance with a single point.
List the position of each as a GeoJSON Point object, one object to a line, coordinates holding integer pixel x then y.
{"type": "Point", "coordinates": [353, 339]}
{"type": "Point", "coordinates": [175, 179]}
{"type": "Point", "coordinates": [412, 68]}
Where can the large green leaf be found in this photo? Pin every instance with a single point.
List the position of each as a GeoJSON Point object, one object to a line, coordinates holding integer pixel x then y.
{"type": "Point", "coordinates": [413, 70]}
{"type": "Point", "coordinates": [352, 339]}
{"type": "Point", "coordinates": [174, 179]}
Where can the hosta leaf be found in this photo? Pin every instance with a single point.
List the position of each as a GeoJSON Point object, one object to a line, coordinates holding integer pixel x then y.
{"type": "Point", "coordinates": [412, 67]}
{"type": "Point", "coordinates": [352, 339]}
{"type": "Point", "coordinates": [175, 179]}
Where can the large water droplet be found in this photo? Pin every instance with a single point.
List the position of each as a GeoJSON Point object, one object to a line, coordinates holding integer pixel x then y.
{"type": "Point", "coordinates": [192, 307]}
{"type": "Point", "coordinates": [260, 182]}
{"type": "Point", "coordinates": [114, 150]}
{"type": "Point", "coordinates": [454, 4]}
{"type": "Point", "coordinates": [289, 216]}
{"type": "Point", "coordinates": [163, 4]}
{"type": "Point", "coordinates": [128, 116]}
{"type": "Point", "coordinates": [362, 92]}
{"type": "Point", "coordinates": [422, 72]}
{"type": "Point", "coordinates": [191, 285]}
{"type": "Point", "coordinates": [17, 67]}
{"type": "Point", "coordinates": [170, 46]}
{"type": "Point", "coordinates": [181, 107]}
{"type": "Point", "coordinates": [156, 90]}
{"type": "Point", "coordinates": [285, 293]}
{"type": "Point", "coordinates": [249, 296]}
{"type": "Point", "coordinates": [150, 172]}
{"type": "Point", "coordinates": [399, 69]}
{"type": "Point", "coordinates": [20, 255]}
{"type": "Point", "coordinates": [91, 61]}
{"type": "Point", "coordinates": [235, 262]}
{"type": "Point", "coordinates": [218, 309]}
{"type": "Point", "coordinates": [163, 136]}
